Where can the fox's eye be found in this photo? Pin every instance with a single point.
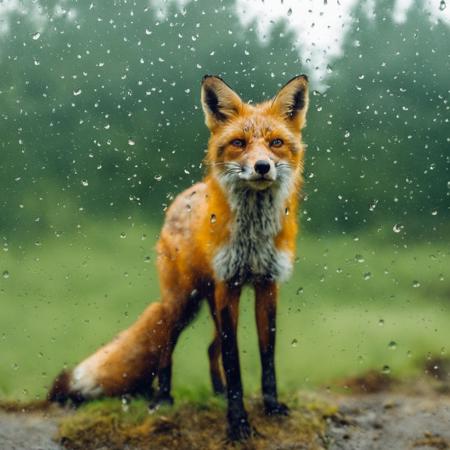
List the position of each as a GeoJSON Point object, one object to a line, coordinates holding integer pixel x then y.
{"type": "Point", "coordinates": [276, 143]}
{"type": "Point", "coordinates": [238, 143]}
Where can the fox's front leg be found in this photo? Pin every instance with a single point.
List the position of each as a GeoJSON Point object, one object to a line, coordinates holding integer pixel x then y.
{"type": "Point", "coordinates": [227, 302]}
{"type": "Point", "coordinates": [265, 307]}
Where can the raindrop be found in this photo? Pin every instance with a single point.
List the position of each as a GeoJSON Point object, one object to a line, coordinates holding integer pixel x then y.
{"type": "Point", "coordinates": [125, 401]}
{"type": "Point", "coordinates": [359, 258]}
{"type": "Point", "coordinates": [5, 274]}
{"type": "Point", "coordinates": [289, 13]}
{"type": "Point", "coordinates": [123, 235]}
{"type": "Point", "coordinates": [77, 92]}
{"type": "Point", "coordinates": [386, 369]}
{"type": "Point", "coordinates": [397, 228]}
{"type": "Point", "coordinates": [442, 5]}
{"type": "Point", "coordinates": [416, 284]}
{"type": "Point", "coordinates": [381, 322]}
{"type": "Point", "coordinates": [294, 342]}
{"type": "Point", "coordinates": [131, 142]}
{"type": "Point", "coordinates": [299, 291]}
{"type": "Point", "coordinates": [147, 259]}
{"type": "Point", "coordinates": [213, 218]}
{"type": "Point", "coordinates": [158, 177]}
{"type": "Point", "coordinates": [286, 211]}
{"type": "Point", "coordinates": [367, 276]}
{"type": "Point", "coordinates": [84, 183]}
{"type": "Point", "coordinates": [373, 205]}
{"type": "Point", "coordinates": [36, 36]}
{"type": "Point", "coordinates": [434, 212]}
{"type": "Point", "coordinates": [392, 345]}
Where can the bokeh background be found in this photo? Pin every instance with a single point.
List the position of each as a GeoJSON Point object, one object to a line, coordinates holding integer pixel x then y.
{"type": "Point", "coordinates": [101, 126]}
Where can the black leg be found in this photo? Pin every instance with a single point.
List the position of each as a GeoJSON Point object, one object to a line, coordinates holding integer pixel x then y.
{"type": "Point", "coordinates": [163, 397]}
{"type": "Point", "coordinates": [266, 298]}
{"type": "Point", "coordinates": [227, 303]}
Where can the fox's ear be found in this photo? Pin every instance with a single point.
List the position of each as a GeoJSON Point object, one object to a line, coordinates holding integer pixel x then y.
{"type": "Point", "coordinates": [219, 101]}
{"type": "Point", "coordinates": [291, 102]}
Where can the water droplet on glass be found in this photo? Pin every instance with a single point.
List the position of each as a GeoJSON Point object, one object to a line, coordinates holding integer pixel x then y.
{"type": "Point", "coordinates": [359, 258]}
{"type": "Point", "coordinates": [381, 322]}
{"type": "Point", "coordinates": [84, 183]}
{"type": "Point", "coordinates": [5, 274]}
{"type": "Point", "coordinates": [131, 142]}
{"type": "Point", "coordinates": [125, 402]}
{"type": "Point", "coordinates": [289, 13]}
{"type": "Point", "coordinates": [442, 5]}
{"type": "Point", "coordinates": [373, 205]}
{"type": "Point", "coordinates": [367, 275]}
{"type": "Point", "coordinates": [213, 218]}
{"type": "Point", "coordinates": [294, 342]}
{"type": "Point", "coordinates": [392, 345]}
{"type": "Point", "coordinates": [299, 291]}
{"type": "Point", "coordinates": [158, 177]}
{"type": "Point", "coordinates": [434, 212]}
{"type": "Point", "coordinates": [77, 92]}
{"type": "Point", "coordinates": [147, 259]}
{"type": "Point", "coordinates": [36, 36]}
{"type": "Point", "coordinates": [416, 284]}
{"type": "Point", "coordinates": [397, 228]}
{"type": "Point", "coordinates": [123, 235]}
{"type": "Point", "coordinates": [386, 369]}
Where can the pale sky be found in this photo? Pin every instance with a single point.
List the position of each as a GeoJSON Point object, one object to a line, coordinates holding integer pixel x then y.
{"type": "Point", "coordinates": [319, 26]}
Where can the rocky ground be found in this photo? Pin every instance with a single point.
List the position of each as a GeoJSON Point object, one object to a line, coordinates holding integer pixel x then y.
{"type": "Point", "coordinates": [377, 415]}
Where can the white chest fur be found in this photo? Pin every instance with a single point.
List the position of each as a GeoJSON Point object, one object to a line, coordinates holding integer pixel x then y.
{"type": "Point", "coordinates": [251, 251]}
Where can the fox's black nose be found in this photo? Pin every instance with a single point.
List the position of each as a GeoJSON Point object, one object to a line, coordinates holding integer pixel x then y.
{"type": "Point", "coordinates": [262, 166]}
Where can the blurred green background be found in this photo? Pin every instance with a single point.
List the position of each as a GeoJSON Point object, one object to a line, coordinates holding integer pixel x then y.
{"type": "Point", "coordinates": [101, 127]}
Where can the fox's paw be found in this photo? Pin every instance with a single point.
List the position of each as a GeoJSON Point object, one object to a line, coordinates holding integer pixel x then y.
{"type": "Point", "coordinates": [274, 408]}
{"type": "Point", "coordinates": [160, 400]}
{"type": "Point", "coordinates": [239, 429]}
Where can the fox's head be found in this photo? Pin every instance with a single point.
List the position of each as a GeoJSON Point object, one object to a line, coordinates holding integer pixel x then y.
{"type": "Point", "coordinates": [255, 146]}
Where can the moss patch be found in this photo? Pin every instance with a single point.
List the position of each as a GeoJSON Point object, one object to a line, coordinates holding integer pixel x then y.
{"type": "Point", "coordinates": [113, 425]}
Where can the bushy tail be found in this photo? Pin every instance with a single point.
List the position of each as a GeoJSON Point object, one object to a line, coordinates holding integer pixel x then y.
{"type": "Point", "coordinates": [126, 365]}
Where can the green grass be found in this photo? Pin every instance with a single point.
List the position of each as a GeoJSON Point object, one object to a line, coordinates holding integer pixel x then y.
{"type": "Point", "coordinates": [64, 296]}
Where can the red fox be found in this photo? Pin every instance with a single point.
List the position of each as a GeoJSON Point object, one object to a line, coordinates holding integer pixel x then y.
{"type": "Point", "coordinates": [236, 227]}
